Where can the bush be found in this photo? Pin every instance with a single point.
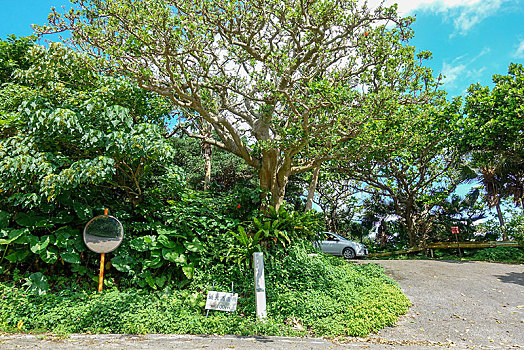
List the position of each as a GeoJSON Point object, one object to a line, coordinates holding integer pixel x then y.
{"type": "Point", "coordinates": [326, 295]}
{"type": "Point", "coordinates": [502, 254]}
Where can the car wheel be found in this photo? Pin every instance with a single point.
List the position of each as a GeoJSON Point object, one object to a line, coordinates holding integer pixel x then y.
{"type": "Point", "coordinates": [348, 253]}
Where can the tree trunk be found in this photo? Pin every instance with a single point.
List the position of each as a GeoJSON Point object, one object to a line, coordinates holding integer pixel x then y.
{"type": "Point", "coordinates": [501, 221]}
{"type": "Point", "coordinates": [382, 236]}
{"type": "Point", "coordinates": [273, 178]}
{"type": "Point", "coordinates": [312, 188]}
{"type": "Point", "coordinates": [207, 150]}
{"type": "Point", "coordinates": [410, 225]}
{"type": "Point", "coordinates": [411, 234]}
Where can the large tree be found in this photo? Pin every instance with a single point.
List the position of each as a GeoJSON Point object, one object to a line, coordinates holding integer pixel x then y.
{"type": "Point", "coordinates": [493, 121]}
{"type": "Point", "coordinates": [413, 164]}
{"type": "Point", "coordinates": [64, 128]}
{"type": "Point", "coordinates": [282, 83]}
{"type": "Point", "coordinates": [491, 132]}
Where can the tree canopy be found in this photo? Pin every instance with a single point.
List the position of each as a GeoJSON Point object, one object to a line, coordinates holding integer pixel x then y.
{"type": "Point", "coordinates": [492, 133]}
{"type": "Point", "coordinates": [284, 84]}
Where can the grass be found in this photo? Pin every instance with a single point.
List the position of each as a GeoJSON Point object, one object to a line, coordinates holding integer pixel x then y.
{"type": "Point", "coordinates": [306, 295]}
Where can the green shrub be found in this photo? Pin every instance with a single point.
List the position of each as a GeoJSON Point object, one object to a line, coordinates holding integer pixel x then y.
{"type": "Point", "coordinates": [502, 254]}
{"type": "Point", "coordinates": [326, 295]}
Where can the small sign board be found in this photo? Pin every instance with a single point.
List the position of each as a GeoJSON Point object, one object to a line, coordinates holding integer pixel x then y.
{"type": "Point", "coordinates": [454, 229]}
{"type": "Point", "coordinates": [221, 301]}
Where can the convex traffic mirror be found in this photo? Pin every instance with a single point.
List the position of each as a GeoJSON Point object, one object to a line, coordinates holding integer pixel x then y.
{"type": "Point", "coordinates": [103, 234]}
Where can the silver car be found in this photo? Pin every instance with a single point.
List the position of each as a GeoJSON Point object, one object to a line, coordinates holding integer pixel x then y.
{"type": "Point", "coordinates": [334, 244]}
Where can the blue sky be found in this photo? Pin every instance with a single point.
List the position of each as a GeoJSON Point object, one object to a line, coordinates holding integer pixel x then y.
{"type": "Point", "coordinates": [470, 39]}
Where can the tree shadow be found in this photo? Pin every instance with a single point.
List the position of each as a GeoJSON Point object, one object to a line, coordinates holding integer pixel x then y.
{"type": "Point", "coordinates": [512, 277]}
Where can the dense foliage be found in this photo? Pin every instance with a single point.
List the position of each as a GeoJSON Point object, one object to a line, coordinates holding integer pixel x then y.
{"type": "Point", "coordinates": [313, 295]}
{"type": "Point", "coordinates": [74, 142]}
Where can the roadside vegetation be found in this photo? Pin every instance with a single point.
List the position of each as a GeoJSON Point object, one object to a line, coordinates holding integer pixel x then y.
{"type": "Point", "coordinates": [513, 255]}
{"type": "Point", "coordinates": [307, 295]}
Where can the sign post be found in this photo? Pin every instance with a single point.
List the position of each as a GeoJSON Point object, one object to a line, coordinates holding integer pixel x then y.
{"type": "Point", "coordinates": [103, 234]}
{"type": "Point", "coordinates": [260, 286]}
{"type": "Point", "coordinates": [102, 263]}
{"type": "Point", "coordinates": [101, 274]}
{"type": "Point", "coordinates": [455, 230]}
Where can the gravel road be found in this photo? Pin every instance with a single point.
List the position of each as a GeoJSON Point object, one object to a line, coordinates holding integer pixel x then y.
{"type": "Point", "coordinates": [459, 305]}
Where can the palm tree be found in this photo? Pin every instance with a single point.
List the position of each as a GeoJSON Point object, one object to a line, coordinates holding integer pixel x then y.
{"type": "Point", "coordinates": [493, 182]}
{"type": "Point", "coordinates": [493, 175]}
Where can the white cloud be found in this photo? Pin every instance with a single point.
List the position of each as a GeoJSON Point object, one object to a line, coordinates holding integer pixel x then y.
{"type": "Point", "coordinates": [486, 50]}
{"type": "Point", "coordinates": [469, 16]}
{"type": "Point", "coordinates": [519, 52]}
{"type": "Point", "coordinates": [463, 69]}
{"type": "Point", "coordinates": [465, 14]}
{"type": "Point", "coordinates": [452, 71]}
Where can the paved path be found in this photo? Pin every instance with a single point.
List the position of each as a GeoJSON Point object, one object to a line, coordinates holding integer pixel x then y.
{"type": "Point", "coordinates": [460, 305]}
{"type": "Point", "coordinates": [467, 304]}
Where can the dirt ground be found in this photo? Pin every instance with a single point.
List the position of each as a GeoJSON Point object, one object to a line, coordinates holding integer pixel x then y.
{"type": "Point", "coordinates": [461, 305]}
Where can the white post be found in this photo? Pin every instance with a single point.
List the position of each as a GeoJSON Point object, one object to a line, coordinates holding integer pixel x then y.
{"type": "Point", "coordinates": [260, 285]}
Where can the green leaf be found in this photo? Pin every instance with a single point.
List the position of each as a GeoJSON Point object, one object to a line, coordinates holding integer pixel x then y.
{"type": "Point", "coordinates": [181, 259]}
{"type": "Point", "coordinates": [272, 212]}
{"type": "Point", "coordinates": [149, 279]}
{"type": "Point", "coordinates": [257, 223]}
{"type": "Point", "coordinates": [170, 233]}
{"type": "Point", "coordinates": [23, 239]}
{"type": "Point", "coordinates": [78, 241]}
{"type": "Point", "coordinates": [194, 246]}
{"type": "Point", "coordinates": [160, 280]}
{"type": "Point", "coordinates": [153, 263]}
{"type": "Point", "coordinates": [71, 257]}
{"type": "Point", "coordinates": [189, 271]}
{"type": "Point", "coordinates": [83, 211]}
{"type": "Point", "coordinates": [156, 253]}
{"type": "Point", "coordinates": [44, 223]}
{"type": "Point", "coordinates": [123, 264]}
{"type": "Point", "coordinates": [169, 254]}
{"type": "Point", "coordinates": [18, 256]}
{"type": "Point", "coordinates": [164, 240]}
{"type": "Point", "coordinates": [37, 283]}
{"type": "Point", "coordinates": [139, 244]}
{"type": "Point", "coordinates": [13, 235]}
{"type": "Point", "coordinates": [4, 219]}
{"type": "Point", "coordinates": [37, 245]}
{"type": "Point", "coordinates": [79, 269]}
{"type": "Point", "coordinates": [27, 219]}
{"type": "Point", "coordinates": [50, 255]}
{"type": "Point", "coordinates": [63, 235]}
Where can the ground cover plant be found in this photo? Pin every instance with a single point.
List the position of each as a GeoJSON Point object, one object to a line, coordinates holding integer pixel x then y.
{"type": "Point", "coordinates": [307, 295]}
